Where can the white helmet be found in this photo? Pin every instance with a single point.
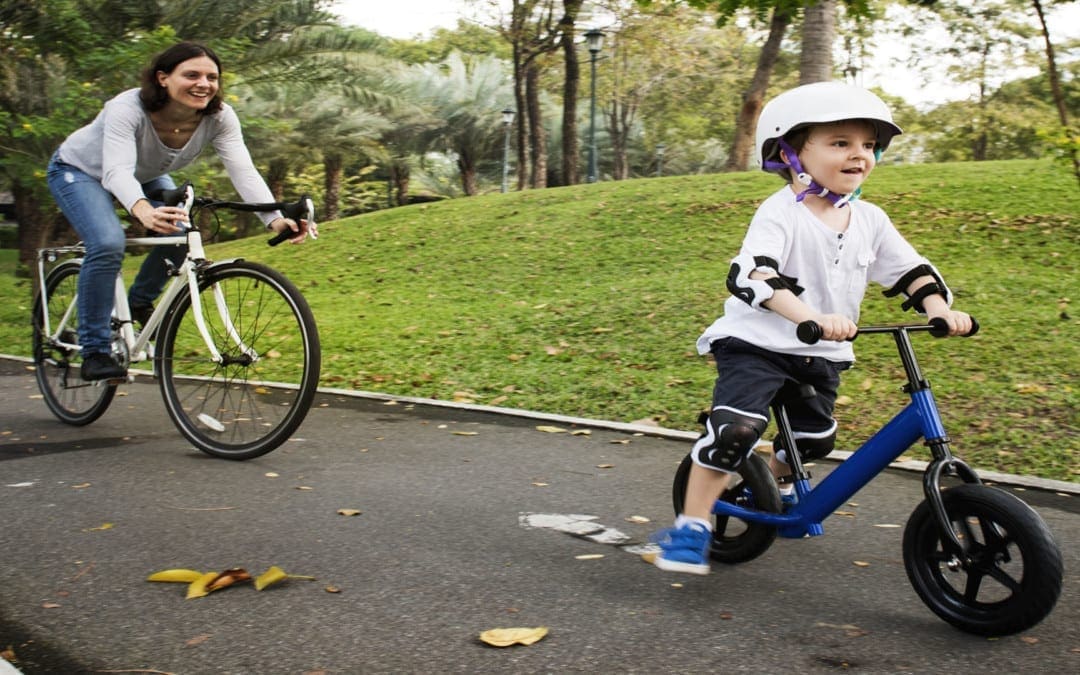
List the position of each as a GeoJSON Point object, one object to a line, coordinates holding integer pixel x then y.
{"type": "Point", "coordinates": [818, 103]}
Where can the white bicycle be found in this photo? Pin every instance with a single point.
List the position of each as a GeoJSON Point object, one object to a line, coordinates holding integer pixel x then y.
{"type": "Point", "coordinates": [233, 343]}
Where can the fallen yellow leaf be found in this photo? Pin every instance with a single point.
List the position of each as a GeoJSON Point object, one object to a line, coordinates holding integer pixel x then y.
{"type": "Point", "coordinates": [270, 577]}
{"type": "Point", "coordinates": [276, 575]}
{"type": "Point", "coordinates": [228, 578]}
{"type": "Point", "coordinates": [349, 512]}
{"type": "Point", "coordinates": [197, 588]}
{"type": "Point", "coordinates": [550, 429]}
{"type": "Point", "coordinates": [860, 563]}
{"type": "Point", "coordinates": [589, 556]}
{"type": "Point", "coordinates": [176, 576]}
{"type": "Point", "coordinates": [504, 637]}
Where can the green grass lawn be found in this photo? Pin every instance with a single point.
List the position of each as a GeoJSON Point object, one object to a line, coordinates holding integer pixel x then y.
{"type": "Point", "coordinates": [587, 301]}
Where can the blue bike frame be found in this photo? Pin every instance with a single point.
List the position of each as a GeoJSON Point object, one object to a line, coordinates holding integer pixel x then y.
{"type": "Point", "coordinates": [919, 419]}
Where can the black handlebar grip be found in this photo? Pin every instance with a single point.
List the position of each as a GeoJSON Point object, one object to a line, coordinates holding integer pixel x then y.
{"type": "Point", "coordinates": [284, 235]}
{"type": "Point", "coordinates": [808, 331]}
{"type": "Point", "coordinates": [940, 327]}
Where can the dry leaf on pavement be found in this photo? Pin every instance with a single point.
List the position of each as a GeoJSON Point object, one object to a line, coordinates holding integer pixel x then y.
{"type": "Point", "coordinates": [504, 637]}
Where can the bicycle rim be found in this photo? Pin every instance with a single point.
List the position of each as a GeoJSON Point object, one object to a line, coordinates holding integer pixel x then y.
{"type": "Point", "coordinates": [252, 399]}
{"type": "Point", "coordinates": [73, 400]}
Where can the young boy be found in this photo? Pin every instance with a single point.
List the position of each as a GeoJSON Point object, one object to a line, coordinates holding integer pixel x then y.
{"type": "Point", "coordinates": [808, 254]}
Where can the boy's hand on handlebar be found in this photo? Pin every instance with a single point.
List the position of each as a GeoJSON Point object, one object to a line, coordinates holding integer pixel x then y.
{"type": "Point", "coordinates": [836, 327]}
{"type": "Point", "coordinates": [280, 225]}
{"type": "Point", "coordinates": [959, 323]}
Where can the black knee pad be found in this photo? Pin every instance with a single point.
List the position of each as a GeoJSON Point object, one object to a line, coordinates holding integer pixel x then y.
{"type": "Point", "coordinates": [811, 446]}
{"type": "Point", "coordinates": [729, 437]}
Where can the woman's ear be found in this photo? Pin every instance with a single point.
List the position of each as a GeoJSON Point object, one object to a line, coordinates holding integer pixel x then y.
{"type": "Point", "coordinates": [161, 77]}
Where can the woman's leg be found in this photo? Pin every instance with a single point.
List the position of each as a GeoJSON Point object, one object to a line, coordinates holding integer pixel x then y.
{"type": "Point", "coordinates": [89, 208]}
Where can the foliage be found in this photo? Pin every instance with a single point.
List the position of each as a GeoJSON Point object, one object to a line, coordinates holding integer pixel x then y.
{"type": "Point", "coordinates": [587, 300]}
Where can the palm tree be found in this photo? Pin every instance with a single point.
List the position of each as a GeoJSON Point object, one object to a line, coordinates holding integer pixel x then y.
{"type": "Point", "coordinates": [466, 95]}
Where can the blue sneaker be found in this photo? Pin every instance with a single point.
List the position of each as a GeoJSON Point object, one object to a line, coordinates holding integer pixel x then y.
{"type": "Point", "coordinates": [684, 549]}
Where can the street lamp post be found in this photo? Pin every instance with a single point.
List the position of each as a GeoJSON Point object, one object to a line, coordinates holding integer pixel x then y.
{"type": "Point", "coordinates": [594, 42]}
{"type": "Point", "coordinates": [660, 148]}
{"type": "Point", "coordinates": [508, 119]}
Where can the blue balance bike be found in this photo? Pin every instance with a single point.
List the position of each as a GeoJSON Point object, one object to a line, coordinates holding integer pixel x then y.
{"type": "Point", "coordinates": [979, 557]}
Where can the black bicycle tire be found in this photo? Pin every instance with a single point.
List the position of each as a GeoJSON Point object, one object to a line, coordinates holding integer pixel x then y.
{"type": "Point", "coordinates": [210, 441]}
{"type": "Point", "coordinates": [756, 538]}
{"type": "Point", "coordinates": [1033, 595]}
{"type": "Point", "coordinates": [45, 383]}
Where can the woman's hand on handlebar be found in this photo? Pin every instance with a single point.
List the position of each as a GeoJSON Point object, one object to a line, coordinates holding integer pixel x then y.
{"type": "Point", "coordinates": [281, 225]}
{"type": "Point", "coordinates": [161, 219]}
{"type": "Point", "coordinates": [959, 323]}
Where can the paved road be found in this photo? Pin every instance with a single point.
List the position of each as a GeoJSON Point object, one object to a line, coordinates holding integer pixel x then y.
{"type": "Point", "coordinates": [439, 553]}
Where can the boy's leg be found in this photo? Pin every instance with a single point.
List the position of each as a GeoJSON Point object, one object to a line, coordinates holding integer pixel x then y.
{"type": "Point", "coordinates": [812, 422]}
{"type": "Point", "coordinates": [745, 384]}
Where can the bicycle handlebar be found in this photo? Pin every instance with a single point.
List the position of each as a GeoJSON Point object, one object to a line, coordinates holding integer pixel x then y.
{"type": "Point", "coordinates": [810, 331]}
{"type": "Point", "coordinates": [301, 209]}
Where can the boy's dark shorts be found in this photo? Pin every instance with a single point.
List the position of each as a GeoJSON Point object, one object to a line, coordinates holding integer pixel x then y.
{"type": "Point", "coordinates": [749, 377]}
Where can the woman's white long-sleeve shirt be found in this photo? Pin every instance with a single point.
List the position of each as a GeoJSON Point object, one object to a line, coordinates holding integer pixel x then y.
{"type": "Point", "coordinates": [122, 149]}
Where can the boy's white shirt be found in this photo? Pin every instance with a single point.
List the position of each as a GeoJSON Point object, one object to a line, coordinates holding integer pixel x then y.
{"type": "Point", "coordinates": [834, 269]}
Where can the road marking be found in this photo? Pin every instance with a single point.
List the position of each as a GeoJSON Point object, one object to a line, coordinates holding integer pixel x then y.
{"type": "Point", "coordinates": [585, 527]}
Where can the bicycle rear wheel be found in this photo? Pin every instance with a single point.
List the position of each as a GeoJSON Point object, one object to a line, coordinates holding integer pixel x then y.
{"type": "Point", "coordinates": [254, 398]}
{"type": "Point", "coordinates": [72, 399]}
{"type": "Point", "coordinates": [736, 540]}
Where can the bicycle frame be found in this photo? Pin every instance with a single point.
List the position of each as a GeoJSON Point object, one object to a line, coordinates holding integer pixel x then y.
{"type": "Point", "coordinates": [138, 346]}
{"type": "Point", "coordinates": [919, 419]}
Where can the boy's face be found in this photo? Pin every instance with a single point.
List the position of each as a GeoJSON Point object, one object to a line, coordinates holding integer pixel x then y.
{"type": "Point", "coordinates": [840, 155]}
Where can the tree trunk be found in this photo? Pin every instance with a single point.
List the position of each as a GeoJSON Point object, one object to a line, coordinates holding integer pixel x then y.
{"type": "Point", "coordinates": [332, 170]}
{"type": "Point", "coordinates": [742, 148]}
{"type": "Point", "coordinates": [818, 36]}
{"type": "Point", "coordinates": [571, 174]}
{"type": "Point", "coordinates": [399, 178]}
{"type": "Point", "coordinates": [521, 120]}
{"type": "Point", "coordinates": [537, 135]}
{"type": "Point", "coordinates": [32, 223]}
{"type": "Point", "coordinates": [275, 177]}
{"type": "Point", "coordinates": [1055, 87]}
{"type": "Point", "coordinates": [467, 169]}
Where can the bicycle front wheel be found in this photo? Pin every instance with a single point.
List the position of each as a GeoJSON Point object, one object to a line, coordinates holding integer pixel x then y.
{"type": "Point", "coordinates": [253, 397]}
{"type": "Point", "coordinates": [56, 367]}
{"type": "Point", "coordinates": [1008, 577]}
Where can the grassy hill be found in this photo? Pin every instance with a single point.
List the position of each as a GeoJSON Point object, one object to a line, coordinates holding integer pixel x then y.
{"type": "Point", "coordinates": [587, 301]}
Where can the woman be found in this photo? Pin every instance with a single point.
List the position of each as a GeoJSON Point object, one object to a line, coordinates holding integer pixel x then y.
{"type": "Point", "coordinates": [126, 153]}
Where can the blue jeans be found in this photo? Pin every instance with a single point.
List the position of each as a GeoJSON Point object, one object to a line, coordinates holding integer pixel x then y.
{"type": "Point", "coordinates": [90, 209]}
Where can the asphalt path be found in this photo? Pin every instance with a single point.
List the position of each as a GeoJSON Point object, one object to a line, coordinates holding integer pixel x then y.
{"type": "Point", "coordinates": [453, 537]}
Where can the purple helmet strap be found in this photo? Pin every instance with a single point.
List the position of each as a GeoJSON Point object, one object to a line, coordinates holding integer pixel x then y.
{"type": "Point", "coordinates": [812, 186]}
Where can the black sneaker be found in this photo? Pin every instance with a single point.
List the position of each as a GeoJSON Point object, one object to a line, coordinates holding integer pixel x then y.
{"type": "Point", "coordinates": [101, 366]}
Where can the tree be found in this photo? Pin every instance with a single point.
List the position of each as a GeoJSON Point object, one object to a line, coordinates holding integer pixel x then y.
{"type": "Point", "coordinates": [465, 95]}
{"type": "Point", "coordinates": [571, 78]}
{"type": "Point", "coordinates": [818, 38]}
{"type": "Point", "coordinates": [1056, 88]}
{"type": "Point", "coordinates": [532, 33]}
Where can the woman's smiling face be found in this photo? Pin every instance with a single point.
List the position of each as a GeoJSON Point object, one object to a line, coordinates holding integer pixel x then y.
{"type": "Point", "coordinates": [192, 83]}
